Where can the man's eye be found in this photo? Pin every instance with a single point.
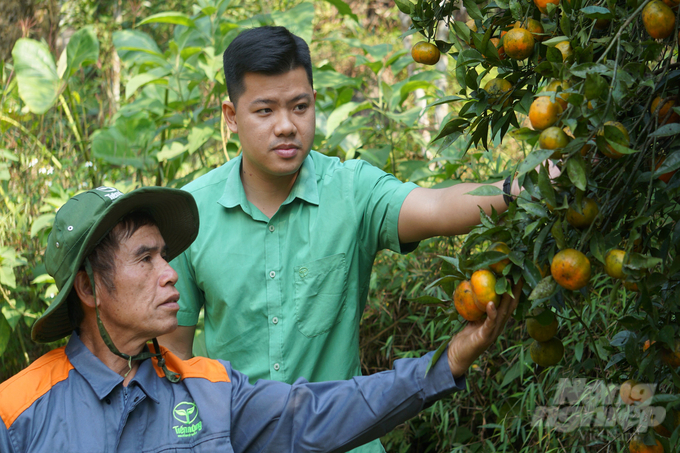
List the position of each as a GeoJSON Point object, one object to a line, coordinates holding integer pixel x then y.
{"type": "Point", "coordinates": [301, 107]}
{"type": "Point", "coordinates": [264, 111]}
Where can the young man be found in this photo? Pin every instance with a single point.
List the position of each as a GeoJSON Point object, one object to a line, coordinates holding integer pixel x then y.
{"type": "Point", "coordinates": [288, 236]}
{"type": "Point", "coordinates": [111, 390]}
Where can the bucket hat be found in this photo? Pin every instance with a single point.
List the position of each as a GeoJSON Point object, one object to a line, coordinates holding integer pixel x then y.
{"type": "Point", "coordinates": [83, 221]}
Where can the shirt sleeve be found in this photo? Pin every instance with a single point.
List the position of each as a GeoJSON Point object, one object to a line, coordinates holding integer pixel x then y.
{"type": "Point", "coordinates": [333, 416]}
{"type": "Point", "coordinates": [191, 298]}
{"type": "Point", "coordinates": [379, 197]}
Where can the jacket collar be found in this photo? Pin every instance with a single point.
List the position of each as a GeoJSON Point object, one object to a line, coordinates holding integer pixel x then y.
{"type": "Point", "coordinates": [101, 378]}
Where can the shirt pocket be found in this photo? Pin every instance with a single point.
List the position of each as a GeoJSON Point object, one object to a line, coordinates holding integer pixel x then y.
{"type": "Point", "coordinates": [320, 294]}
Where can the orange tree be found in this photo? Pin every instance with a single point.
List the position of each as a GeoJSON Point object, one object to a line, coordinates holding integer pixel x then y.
{"type": "Point", "coordinates": [606, 73]}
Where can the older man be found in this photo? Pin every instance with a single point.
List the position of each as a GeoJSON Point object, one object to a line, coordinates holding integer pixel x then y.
{"type": "Point", "coordinates": [110, 389]}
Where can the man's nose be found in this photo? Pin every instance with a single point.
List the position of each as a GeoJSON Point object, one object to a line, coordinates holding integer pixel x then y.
{"type": "Point", "coordinates": [168, 276]}
{"type": "Point", "coordinates": [284, 125]}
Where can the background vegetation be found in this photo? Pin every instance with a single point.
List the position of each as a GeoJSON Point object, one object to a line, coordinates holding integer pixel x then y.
{"type": "Point", "coordinates": [127, 94]}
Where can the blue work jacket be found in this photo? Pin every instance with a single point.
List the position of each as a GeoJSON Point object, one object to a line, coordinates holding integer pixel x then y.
{"type": "Point", "coordinates": [69, 401]}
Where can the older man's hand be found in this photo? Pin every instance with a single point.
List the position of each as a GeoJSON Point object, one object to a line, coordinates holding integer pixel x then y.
{"type": "Point", "coordinates": [477, 336]}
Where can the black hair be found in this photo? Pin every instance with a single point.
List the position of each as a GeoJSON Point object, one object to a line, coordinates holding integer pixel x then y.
{"type": "Point", "coordinates": [264, 50]}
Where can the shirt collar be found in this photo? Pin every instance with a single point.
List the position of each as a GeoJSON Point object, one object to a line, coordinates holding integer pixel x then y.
{"type": "Point", "coordinates": [101, 378]}
{"type": "Point", "coordinates": [305, 186]}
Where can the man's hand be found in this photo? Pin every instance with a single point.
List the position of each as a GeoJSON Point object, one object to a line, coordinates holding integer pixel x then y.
{"type": "Point", "coordinates": [477, 336]}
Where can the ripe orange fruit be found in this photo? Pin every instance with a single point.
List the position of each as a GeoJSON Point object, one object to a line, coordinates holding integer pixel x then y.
{"type": "Point", "coordinates": [499, 266]}
{"type": "Point", "coordinates": [518, 43]}
{"type": "Point", "coordinates": [570, 269]}
{"type": "Point", "coordinates": [483, 284]}
{"type": "Point", "coordinates": [565, 49]}
{"type": "Point", "coordinates": [663, 111]}
{"type": "Point", "coordinates": [666, 176]}
{"type": "Point", "coordinates": [547, 353]}
{"type": "Point", "coordinates": [534, 27]}
{"type": "Point", "coordinates": [464, 301]}
{"type": "Point", "coordinates": [637, 445]}
{"type": "Point", "coordinates": [659, 19]}
{"type": "Point", "coordinates": [613, 263]}
{"type": "Point", "coordinates": [540, 332]}
{"type": "Point", "coordinates": [496, 89]}
{"type": "Point", "coordinates": [632, 392]}
{"type": "Point", "coordinates": [543, 5]}
{"type": "Point", "coordinates": [609, 150]}
{"type": "Point", "coordinates": [425, 53]}
{"type": "Point", "coordinates": [544, 113]}
{"type": "Point", "coordinates": [589, 211]}
{"type": "Point", "coordinates": [559, 85]}
{"type": "Point", "coordinates": [553, 138]}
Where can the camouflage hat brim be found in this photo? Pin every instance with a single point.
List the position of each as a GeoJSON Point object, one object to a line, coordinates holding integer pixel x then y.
{"type": "Point", "coordinates": [175, 213]}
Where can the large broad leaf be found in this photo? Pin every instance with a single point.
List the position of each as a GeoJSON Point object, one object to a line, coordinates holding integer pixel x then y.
{"type": "Point", "coordinates": [298, 20]}
{"type": "Point", "coordinates": [169, 17]}
{"type": "Point", "coordinates": [344, 9]}
{"type": "Point", "coordinates": [154, 76]}
{"type": "Point", "coordinates": [82, 50]}
{"type": "Point", "coordinates": [134, 46]}
{"type": "Point", "coordinates": [127, 142]}
{"type": "Point", "coordinates": [36, 73]}
{"type": "Point", "coordinates": [5, 331]}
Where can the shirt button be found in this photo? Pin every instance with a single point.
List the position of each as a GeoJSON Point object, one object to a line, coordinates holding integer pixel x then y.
{"type": "Point", "coordinates": [272, 274]}
{"type": "Point", "coordinates": [275, 320]}
{"type": "Point", "coordinates": [276, 367]}
{"type": "Point", "coordinates": [271, 228]}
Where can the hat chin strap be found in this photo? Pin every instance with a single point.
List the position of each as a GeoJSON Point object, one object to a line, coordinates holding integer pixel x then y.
{"type": "Point", "coordinates": [169, 375]}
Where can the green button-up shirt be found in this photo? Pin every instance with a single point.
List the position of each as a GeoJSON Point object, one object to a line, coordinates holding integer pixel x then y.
{"type": "Point", "coordinates": [283, 297]}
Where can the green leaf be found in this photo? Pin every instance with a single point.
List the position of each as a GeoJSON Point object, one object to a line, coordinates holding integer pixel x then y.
{"type": "Point", "coordinates": [344, 9]}
{"type": "Point", "coordinates": [435, 357]}
{"type": "Point", "coordinates": [198, 136]}
{"type": "Point", "coordinates": [82, 50]}
{"type": "Point", "coordinates": [582, 70]}
{"type": "Point", "coordinates": [545, 186]}
{"type": "Point", "coordinates": [556, 40]}
{"type": "Point", "coordinates": [576, 168]}
{"type": "Point", "coordinates": [127, 142]}
{"type": "Point", "coordinates": [428, 300]}
{"type": "Point", "coordinates": [169, 17]}
{"type": "Point", "coordinates": [171, 151]}
{"type": "Point", "coordinates": [154, 76]}
{"type": "Point", "coordinates": [299, 20]}
{"type": "Point", "coordinates": [42, 222]}
{"type": "Point", "coordinates": [533, 160]}
{"type": "Point", "coordinates": [545, 288]}
{"type": "Point", "coordinates": [524, 133]}
{"type": "Point", "coordinates": [621, 149]}
{"type": "Point", "coordinates": [558, 235]}
{"type": "Point", "coordinates": [5, 331]}
{"type": "Point", "coordinates": [486, 190]}
{"type": "Point", "coordinates": [473, 10]}
{"type": "Point", "coordinates": [135, 41]}
{"type": "Point", "coordinates": [36, 74]}
{"type": "Point", "coordinates": [668, 130]}
{"type": "Point", "coordinates": [404, 6]}
{"type": "Point", "coordinates": [596, 12]}
{"type": "Point", "coordinates": [597, 247]}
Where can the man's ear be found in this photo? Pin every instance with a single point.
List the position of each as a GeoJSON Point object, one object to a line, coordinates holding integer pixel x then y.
{"type": "Point", "coordinates": [83, 288]}
{"type": "Point", "coordinates": [229, 112]}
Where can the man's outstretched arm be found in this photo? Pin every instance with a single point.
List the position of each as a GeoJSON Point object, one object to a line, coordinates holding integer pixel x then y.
{"type": "Point", "coordinates": [426, 213]}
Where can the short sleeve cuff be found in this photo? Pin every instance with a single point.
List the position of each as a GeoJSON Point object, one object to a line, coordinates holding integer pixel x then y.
{"type": "Point", "coordinates": [392, 219]}
{"type": "Point", "coordinates": [187, 319]}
